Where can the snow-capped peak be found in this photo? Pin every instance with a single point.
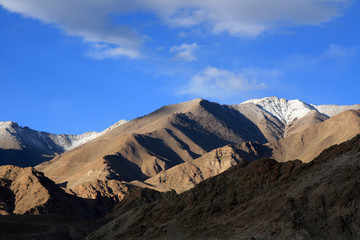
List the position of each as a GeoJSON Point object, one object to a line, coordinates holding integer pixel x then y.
{"type": "Point", "coordinates": [283, 109]}
{"type": "Point", "coordinates": [289, 110]}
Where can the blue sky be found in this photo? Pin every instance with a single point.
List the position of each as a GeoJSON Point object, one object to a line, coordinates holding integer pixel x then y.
{"type": "Point", "coordinates": [76, 66]}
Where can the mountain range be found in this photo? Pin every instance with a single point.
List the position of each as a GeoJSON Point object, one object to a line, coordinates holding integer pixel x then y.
{"type": "Point", "coordinates": [180, 133]}
{"type": "Point", "coordinates": [179, 148]}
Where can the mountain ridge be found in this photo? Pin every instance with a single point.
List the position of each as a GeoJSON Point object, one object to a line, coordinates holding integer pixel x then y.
{"type": "Point", "coordinates": [41, 146]}
{"type": "Point", "coordinates": [289, 110]}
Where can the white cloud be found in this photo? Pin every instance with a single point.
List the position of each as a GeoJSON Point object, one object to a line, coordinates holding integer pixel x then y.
{"type": "Point", "coordinates": [102, 51]}
{"type": "Point", "coordinates": [219, 83]}
{"type": "Point", "coordinates": [246, 17]}
{"type": "Point", "coordinates": [185, 51]}
{"type": "Point", "coordinates": [93, 20]}
{"type": "Point", "coordinates": [86, 19]}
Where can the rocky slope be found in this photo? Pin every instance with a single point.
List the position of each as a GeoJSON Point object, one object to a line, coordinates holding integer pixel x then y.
{"type": "Point", "coordinates": [263, 199]}
{"type": "Point", "coordinates": [27, 191]}
{"type": "Point", "coordinates": [303, 144]}
{"type": "Point", "coordinates": [23, 146]}
{"type": "Point", "coordinates": [307, 144]}
{"type": "Point", "coordinates": [186, 175]}
{"type": "Point", "coordinates": [145, 146]}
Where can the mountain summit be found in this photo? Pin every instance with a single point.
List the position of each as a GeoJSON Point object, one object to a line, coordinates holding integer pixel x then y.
{"type": "Point", "coordinates": [289, 110]}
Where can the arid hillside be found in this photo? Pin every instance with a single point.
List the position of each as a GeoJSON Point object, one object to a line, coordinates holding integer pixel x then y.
{"type": "Point", "coordinates": [263, 199]}
{"type": "Point", "coordinates": [145, 146]}
{"type": "Point", "coordinates": [305, 145]}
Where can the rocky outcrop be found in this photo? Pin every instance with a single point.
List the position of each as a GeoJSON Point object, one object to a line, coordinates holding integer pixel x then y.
{"type": "Point", "coordinates": [27, 191]}
{"type": "Point", "coordinates": [186, 175]}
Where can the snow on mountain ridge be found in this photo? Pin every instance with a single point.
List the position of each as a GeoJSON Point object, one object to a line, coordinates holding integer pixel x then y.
{"type": "Point", "coordinates": [332, 110]}
{"type": "Point", "coordinates": [51, 143]}
{"type": "Point", "coordinates": [283, 109]}
{"type": "Point", "coordinates": [289, 110]}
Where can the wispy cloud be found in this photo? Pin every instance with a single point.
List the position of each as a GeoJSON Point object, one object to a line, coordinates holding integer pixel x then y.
{"type": "Point", "coordinates": [92, 20]}
{"type": "Point", "coordinates": [185, 51]}
{"type": "Point", "coordinates": [220, 83]}
{"type": "Point", "coordinates": [334, 54]}
{"type": "Point", "coordinates": [246, 17]}
{"type": "Point", "coordinates": [102, 51]}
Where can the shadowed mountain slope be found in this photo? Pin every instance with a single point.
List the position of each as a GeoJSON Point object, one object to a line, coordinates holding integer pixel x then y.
{"type": "Point", "coordinates": [303, 144]}
{"type": "Point", "coordinates": [24, 147]}
{"type": "Point", "coordinates": [263, 199]}
{"type": "Point", "coordinates": [186, 175]}
{"type": "Point", "coordinates": [45, 227]}
{"type": "Point", "coordinates": [143, 147]}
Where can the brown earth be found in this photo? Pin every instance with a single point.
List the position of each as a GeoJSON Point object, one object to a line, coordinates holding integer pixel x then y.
{"type": "Point", "coordinates": [299, 125]}
{"type": "Point", "coordinates": [263, 199]}
{"type": "Point", "coordinates": [27, 191]}
{"type": "Point", "coordinates": [307, 144]}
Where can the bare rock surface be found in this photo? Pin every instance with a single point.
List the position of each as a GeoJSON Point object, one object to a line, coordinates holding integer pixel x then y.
{"type": "Point", "coordinates": [27, 191]}
{"type": "Point", "coordinates": [263, 199]}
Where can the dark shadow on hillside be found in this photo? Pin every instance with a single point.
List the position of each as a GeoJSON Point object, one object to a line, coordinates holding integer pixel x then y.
{"type": "Point", "coordinates": [7, 197]}
{"type": "Point", "coordinates": [235, 121]}
{"type": "Point", "coordinates": [123, 169]}
{"type": "Point", "coordinates": [158, 147]}
{"type": "Point", "coordinates": [183, 144]}
{"type": "Point", "coordinates": [22, 158]}
{"type": "Point", "coordinates": [55, 227]}
{"type": "Point", "coordinates": [253, 151]}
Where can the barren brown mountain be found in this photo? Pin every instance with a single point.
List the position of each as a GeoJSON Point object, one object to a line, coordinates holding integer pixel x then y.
{"type": "Point", "coordinates": [143, 147]}
{"type": "Point", "coordinates": [307, 144]}
{"type": "Point", "coordinates": [180, 133]}
{"type": "Point", "coordinates": [263, 199]}
{"type": "Point", "coordinates": [306, 138]}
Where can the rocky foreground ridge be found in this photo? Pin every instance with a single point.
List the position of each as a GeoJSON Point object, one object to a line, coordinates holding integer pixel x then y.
{"type": "Point", "coordinates": [264, 199]}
